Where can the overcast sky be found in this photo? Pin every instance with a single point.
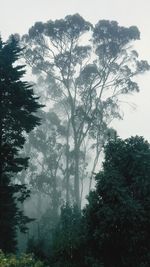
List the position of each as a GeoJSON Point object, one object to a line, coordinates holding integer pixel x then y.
{"type": "Point", "coordinates": [17, 16]}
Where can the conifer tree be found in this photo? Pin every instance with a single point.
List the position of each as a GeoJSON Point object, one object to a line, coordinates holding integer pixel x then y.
{"type": "Point", "coordinates": [17, 118]}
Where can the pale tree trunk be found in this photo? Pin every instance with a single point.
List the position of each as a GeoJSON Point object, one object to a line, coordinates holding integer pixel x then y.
{"type": "Point", "coordinates": [67, 165]}
{"type": "Point", "coordinates": [76, 176]}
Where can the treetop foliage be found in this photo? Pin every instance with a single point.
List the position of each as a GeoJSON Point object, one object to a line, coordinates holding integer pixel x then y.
{"type": "Point", "coordinates": [70, 27]}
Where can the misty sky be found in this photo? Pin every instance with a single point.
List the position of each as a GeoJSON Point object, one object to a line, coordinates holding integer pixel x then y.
{"type": "Point", "coordinates": [17, 16]}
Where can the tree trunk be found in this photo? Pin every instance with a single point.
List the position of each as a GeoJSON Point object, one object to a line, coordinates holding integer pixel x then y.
{"type": "Point", "coordinates": [76, 177]}
{"type": "Point", "coordinates": [67, 165]}
{"type": "Point", "coordinates": [55, 204]}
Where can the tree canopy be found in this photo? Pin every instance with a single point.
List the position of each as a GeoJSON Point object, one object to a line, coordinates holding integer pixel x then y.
{"type": "Point", "coordinates": [117, 217]}
{"type": "Point", "coordinates": [85, 69]}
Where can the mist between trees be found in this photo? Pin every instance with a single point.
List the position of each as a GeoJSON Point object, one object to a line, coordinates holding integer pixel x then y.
{"type": "Point", "coordinates": [81, 72]}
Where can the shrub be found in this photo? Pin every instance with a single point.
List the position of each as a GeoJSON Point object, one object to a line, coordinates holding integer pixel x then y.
{"type": "Point", "coordinates": [26, 260]}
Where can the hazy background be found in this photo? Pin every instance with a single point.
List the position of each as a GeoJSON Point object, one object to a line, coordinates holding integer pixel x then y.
{"type": "Point", "coordinates": [17, 16]}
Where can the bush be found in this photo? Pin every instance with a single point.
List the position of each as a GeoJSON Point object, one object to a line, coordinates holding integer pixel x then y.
{"type": "Point", "coordinates": [26, 260]}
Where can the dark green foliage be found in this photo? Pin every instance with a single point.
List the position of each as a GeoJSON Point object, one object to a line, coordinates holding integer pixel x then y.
{"type": "Point", "coordinates": [17, 107]}
{"type": "Point", "coordinates": [36, 248]}
{"type": "Point", "coordinates": [114, 228]}
{"type": "Point", "coordinates": [67, 241]}
{"type": "Point", "coordinates": [117, 217]}
{"type": "Point", "coordinates": [67, 249]}
{"type": "Point", "coordinates": [26, 260]}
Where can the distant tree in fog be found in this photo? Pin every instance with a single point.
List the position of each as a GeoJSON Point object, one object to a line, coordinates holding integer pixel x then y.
{"type": "Point", "coordinates": [46, 170]}
{"type": "Point", "coordinates": [86, 69]}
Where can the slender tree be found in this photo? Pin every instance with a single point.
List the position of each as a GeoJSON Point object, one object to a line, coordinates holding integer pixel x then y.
{"type": "Point", "coordinates": [46, 171]}
{"type": "Point", "coordinates": [17, 118]}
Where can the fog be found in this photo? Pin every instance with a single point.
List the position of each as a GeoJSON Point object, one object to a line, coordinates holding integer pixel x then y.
{"type": "Point", "coordinates": [91, 94]}
{"type": "Point", "coordinates": [18, 16]}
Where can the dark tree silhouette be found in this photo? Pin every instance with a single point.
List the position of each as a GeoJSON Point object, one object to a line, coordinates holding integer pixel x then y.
{"type": "Point", "coordinates": [117, 217]}
{"type": "Point", "coordinates": [17, 107]}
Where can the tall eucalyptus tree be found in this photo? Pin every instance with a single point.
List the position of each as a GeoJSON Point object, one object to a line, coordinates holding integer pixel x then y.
{"type": "Point", "coordinates": [87, 69]}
